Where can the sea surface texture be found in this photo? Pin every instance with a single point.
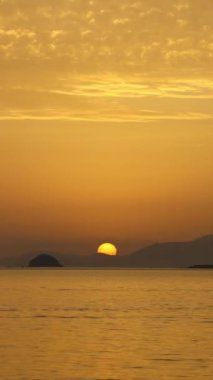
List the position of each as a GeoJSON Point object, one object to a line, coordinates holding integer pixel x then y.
{"type": "Point", "coordinates": [106, 324]}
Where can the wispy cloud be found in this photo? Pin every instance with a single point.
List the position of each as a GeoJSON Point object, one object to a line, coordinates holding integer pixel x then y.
{"type": "Point", "coordinates": [138, 88]}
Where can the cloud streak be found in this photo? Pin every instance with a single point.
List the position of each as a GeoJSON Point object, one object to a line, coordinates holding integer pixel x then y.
{"type": "Point", "coordinates": [108, 99]}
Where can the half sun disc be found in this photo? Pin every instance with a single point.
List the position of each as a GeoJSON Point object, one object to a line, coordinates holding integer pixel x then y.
{"type": "Point", "coordinates": [107, 249]}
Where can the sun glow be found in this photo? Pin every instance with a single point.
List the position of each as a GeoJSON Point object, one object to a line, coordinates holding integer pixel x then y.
{"type": "Point", "coordinates": [107, 249]}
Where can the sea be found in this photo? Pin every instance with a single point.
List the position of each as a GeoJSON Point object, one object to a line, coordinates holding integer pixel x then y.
{"type": "Point", "coordinates": [106, 324]}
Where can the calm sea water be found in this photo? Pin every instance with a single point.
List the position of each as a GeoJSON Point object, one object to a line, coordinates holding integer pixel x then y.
{"type": "Point", "coordinates": [106, 324]}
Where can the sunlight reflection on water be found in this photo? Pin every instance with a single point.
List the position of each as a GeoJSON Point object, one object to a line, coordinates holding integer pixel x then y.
{"type": "Point", "coordinates": [106, 324]}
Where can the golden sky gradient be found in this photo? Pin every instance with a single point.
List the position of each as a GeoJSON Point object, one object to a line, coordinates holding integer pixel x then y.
{"type": "Point", "coordinates": [106, 123]}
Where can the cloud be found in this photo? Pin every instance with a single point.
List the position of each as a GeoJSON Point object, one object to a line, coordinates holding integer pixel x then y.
{"type": "Point", "coordinates": [134, 34]}
{"type": "Point", "coordinates": [85, 33]}
{"type": "Point", "coordinates": [120, 21]}
{"type": "Point", "coordinates": [57, 33]}
{"type": "Point", "coordinates": [109, 99]}
{"type": "Point", "coordinates": [106, 55]}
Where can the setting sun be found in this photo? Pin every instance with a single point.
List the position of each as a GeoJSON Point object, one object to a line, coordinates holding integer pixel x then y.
{"type": "Point", "coordinates": [107, 249]}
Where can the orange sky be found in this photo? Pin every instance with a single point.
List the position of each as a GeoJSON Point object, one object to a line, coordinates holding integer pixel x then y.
{"type": "Point", "coordinates": [105, 123]}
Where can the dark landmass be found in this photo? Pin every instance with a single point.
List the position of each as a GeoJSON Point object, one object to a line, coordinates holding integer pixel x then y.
{"type": "Point", "coordinates": [175, 254]}
{"type": "Point", "coordinates": [201, 266]}
{"type": "Point", "coordinates": [162, 255]}
{"type": "Point", "coordinates": [44, 260]}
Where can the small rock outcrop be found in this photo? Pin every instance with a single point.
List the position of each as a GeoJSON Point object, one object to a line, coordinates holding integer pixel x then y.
{"type": "Point", "coordinates": [44, 260]}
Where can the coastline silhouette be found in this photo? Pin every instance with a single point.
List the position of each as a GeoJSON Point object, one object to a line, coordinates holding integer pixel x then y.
{"type": "Point", "coordinates": [176, 254]}
{"type": "Point", "coordinates": [197, 253]}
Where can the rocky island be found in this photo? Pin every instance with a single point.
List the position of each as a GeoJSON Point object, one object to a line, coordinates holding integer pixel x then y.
{"type": "Point", "coordinates": [44, 260]}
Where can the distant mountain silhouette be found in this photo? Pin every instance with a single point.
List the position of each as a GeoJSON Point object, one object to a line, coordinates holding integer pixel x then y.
{"type": "Point", "coordinates": [179, 254]}
{"type": "Point", "coordinates": [201, 266]}
{"type": "Point", "coordinates": [161, 255]}
{"type": "Point", "coordinates": [198, 252]}
{"type": "Point", "coordinates": [44, 260]}
{"type": "Point", "coordinates": [206, 238]}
